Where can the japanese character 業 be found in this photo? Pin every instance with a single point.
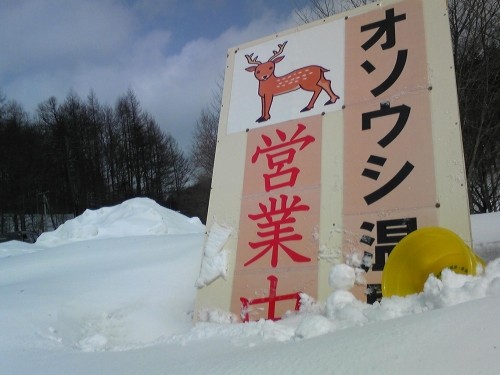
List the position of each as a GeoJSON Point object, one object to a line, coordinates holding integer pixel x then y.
{"type": "Point", "coordinates": [278, 218]}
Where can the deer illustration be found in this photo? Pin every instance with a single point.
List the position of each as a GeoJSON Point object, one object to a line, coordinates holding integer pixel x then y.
{"type": "Point", "coordinates": [308, 78]}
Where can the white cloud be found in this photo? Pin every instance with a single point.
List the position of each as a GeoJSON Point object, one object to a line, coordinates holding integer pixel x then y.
{"type": "Point", "coordinates": [60, 33]}
{"type": "Point", "coordinates": [79, 46]}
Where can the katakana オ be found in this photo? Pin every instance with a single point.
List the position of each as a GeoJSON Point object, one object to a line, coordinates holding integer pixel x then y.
{"type": "Point", "coordinates": [386, 26]}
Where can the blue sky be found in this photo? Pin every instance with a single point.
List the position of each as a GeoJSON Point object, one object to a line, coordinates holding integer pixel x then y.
{"type": "Point", "coordinates": [51, 47]}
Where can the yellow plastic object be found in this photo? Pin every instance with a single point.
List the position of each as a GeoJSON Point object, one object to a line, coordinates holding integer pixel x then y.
{"type": "Point", "coordinates": [423, 252]}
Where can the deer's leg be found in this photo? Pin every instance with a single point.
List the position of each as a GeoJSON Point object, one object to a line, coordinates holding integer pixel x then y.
{"type": "Point", "coordinates": [317, 90]}
{"type": "Point", "coordinates": [262, 110]}
{"type": "Point", "coordinates": [266, 102]}
{"type": "Point", "coordinates": [326, 85]}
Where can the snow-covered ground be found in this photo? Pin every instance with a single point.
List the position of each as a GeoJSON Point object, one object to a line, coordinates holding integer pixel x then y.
{"type": "Point", "coordinates": [112, 292]}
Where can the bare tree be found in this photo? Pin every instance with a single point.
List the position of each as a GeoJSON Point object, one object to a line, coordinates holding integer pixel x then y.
{"type": "Point", "coordinates": [475, 33]}
{"type": "Point", "coordinates": [202, 157]}
{"type": "Point", "coordinates": [205, 137]}
{"type": "Point", "coordinates": [180, 167]}
{"type": "Point", "coordinates": [205, 142]}
{"type": "Point", "coordinates": [19, 163]}
{"type": "Point", "coordinates": [80, 154]}
{"type": "Point", "coordinates": [129, 114]}
{"type": "Point", "coordinates": [318, 9]}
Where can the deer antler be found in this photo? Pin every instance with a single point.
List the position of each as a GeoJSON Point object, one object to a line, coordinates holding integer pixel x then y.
{"type": "Point", "coordinates": [252, 60]}
{"type": "Point", "coordinates": [279, 52]}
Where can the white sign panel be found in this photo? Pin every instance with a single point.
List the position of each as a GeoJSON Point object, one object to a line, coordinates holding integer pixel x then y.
{"type": "Point", "coordinates": [273, 84]}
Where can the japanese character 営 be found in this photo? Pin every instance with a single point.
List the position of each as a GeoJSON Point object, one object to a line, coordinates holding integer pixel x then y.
{"type": "Point", "coordinates": [280, 156]}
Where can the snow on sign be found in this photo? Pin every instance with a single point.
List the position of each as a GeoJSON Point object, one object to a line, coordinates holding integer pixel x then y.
{"type": "Point", "coordinates": [336, 140]}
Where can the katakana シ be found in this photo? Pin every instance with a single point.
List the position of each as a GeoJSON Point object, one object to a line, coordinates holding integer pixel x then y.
{"type": "Point", "coordinates": [386, 26]}
{"type": "Point", "coordinates": [276, 223]}
{"type": "Point", "coordinates": [271, 300]}
{"type": "Point", "coordinates": [389, 186]}
{"type": "Point", "coordinates": [403, 112]}
{"type": "Point", "coordinates": [280, 155]}
{"type": "Point", "coordinates": [371, 173]}
{"type": "Point", "coordinates": [393, 77]}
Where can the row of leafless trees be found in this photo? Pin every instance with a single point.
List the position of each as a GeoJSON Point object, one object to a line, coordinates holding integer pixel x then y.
{"type": "Point", "coordinates": [475, 33]}
{"type": "Point", "coordinates": [80, 154]}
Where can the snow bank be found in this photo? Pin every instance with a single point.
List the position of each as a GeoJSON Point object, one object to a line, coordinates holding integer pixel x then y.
{"type": "Point", "coordinates": [135, 217]}
{"type": "Point", "coordinates": [113, 293]}
{"type": "Point", "coordinates": [12, 248]}
{"type": "Point", "coordinates": [342, 310]}
{"type": "Point", "coordinates": [486, 235]}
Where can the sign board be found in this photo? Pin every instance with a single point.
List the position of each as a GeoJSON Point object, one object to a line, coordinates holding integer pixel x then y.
{"type": "Point", "coordinates": [336, 139]}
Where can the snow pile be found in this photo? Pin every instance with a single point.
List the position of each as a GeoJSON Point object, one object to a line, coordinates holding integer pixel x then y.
{"type": "Point", "coordinates": [486, 235]}
{"type": "Point", "coordinates": [106, 295]}
{"type": "Point", "coordinates": [103, 281]}
{"type": "Point", "coordinates": [135, 217]}
{"type": "Point", "coordinates": [342, 277]}
{"type": "Point", "coordinates": [343, 310]}
{"type": "Point", "coordinates": [11, 248]}
{"type": "Point", "coordinates": [450, 289]}
{"type": "Point", "coordinates": [118, 298]}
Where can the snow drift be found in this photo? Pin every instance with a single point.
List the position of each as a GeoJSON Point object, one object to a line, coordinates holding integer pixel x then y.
{"type": "Point", "coordinates": [112, 292]}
